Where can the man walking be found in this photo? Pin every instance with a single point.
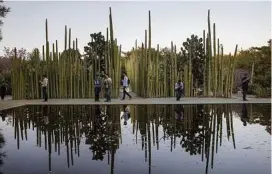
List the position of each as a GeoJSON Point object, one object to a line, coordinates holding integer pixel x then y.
{"type": "Point", "coordinates": [178, 89]}
{"type": "Point", "coordinates": [97, 87]}
{"type": "Point", "coordinates": [44, 87]}
{"type": "Point", "coordinates": [3, 88]}
{"type": "Point", "coordinates": [108, 84]}
{"type": "Point", "coordinates": [125, 86]}
{"type": "Point", "coordinates": [245, 81]}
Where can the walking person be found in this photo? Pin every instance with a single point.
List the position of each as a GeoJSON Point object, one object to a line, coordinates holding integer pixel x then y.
{"type": "Point", "coordinates": [125, 86]}
{"type": "Point", "coordinates": [245, 81]}
{"type": "Point", "coordinates": [3, 89]}
{"type": "Point", "coordinates": [108, 84]}
{"type": "Point", "coordinates": [44, 87]}
{"type": "Point", "coordinates": [97, 87]}
{"type": "Point", "coordinates": [178, 89]}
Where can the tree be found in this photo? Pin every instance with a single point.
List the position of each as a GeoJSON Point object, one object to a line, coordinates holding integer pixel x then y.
{"type": "Point", "coordinates": [3, 12]}
{"type": "Point", "coordinates": [257, 60]}
{"type": "Point", "coordinates": [96, 49]}
{"type": "Point", "coordinates": [197, 55]}
{"type": "Point", "coordinates": [9, 53]}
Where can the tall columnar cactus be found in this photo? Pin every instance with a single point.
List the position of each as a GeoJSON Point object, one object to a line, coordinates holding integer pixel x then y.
{"type": "Point", "coordinates": [152, 74]}
{"type": "Point", "coordinates": [214, 63]}
{"type": "Point", "coordinates": [149, 50]}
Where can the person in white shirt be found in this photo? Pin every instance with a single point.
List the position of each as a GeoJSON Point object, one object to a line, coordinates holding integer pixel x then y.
{"type": "Point", "coordinates": [178, 89]}
{"type": "Point", "coordinates": [44, 88]}
{"type": "Point", "coordinates": [125, 86]}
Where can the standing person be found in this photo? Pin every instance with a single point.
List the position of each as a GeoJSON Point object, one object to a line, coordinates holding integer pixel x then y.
{"type": "Point", "coordinates": [178, 89]}
{"type": "Point", "coordinates": [108, 84]}
{"type": "Point", "coordinates": [44, 87]}
{"type": "Point", "coordinates": [97, 87]}
{"type": "Point", "coordinates": [3, 89]}
{"type": "Point", "coordinates": [125, 86]}
{"type": "Point", "coordinates": [245, 81]}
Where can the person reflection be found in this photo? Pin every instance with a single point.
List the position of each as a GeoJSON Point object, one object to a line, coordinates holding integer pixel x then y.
{"type": "Point", "coordinates": [97, 110]}
{"type": "Point", "coordinates": [45, 115]}
{"type": "Point", "coordinates": [3, 114]}
{"type": "Point", "coordinates": [179, 112]}
{"type": "Point", "coordinates": [126, 114]}
{"type": "Point", "coordinates": [244, 117]}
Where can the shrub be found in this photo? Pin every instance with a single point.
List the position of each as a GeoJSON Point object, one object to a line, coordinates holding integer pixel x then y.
{"type": "Point", "coordinates": [251, 88]}
{"type": "Point", "coordinates": [262, 92]}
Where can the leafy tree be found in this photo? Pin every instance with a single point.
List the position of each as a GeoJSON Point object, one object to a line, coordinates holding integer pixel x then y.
{"type": "Point", "coordinates": [9, 53]}
{"type": "Point", "coordinates": [197, 54]}
{"type": "Point", "coordinates": [257, 59]}
{"type": "Point", "coordinates": [96, 49]}
{"type": "Point", "coordinates": [6, 63]}
{"type": "Point", "coordinates": [3, 12]}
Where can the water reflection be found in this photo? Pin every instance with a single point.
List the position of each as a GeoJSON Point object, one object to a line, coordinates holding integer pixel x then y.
{"type": "Point", "coordinates": [2, 154]}
{"type": "Point", "coordinates": [198, 129]}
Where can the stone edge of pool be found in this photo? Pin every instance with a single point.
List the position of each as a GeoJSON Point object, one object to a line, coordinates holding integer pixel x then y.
{"type": "Point", "coordinates": [148, 101]}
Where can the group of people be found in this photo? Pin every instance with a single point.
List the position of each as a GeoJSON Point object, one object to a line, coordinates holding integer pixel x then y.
{"type": "Point", "coordinates": [179, 88]}
{"type": "Point", "coordinates": [97, 87]}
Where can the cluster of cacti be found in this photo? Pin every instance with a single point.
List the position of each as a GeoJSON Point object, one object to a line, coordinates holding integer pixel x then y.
{"type": "Point", "coordinates": [144, 66]}
{"type": "Point", "coordinates": [218, 80]}
{"type": "Point", "coordinates": [69, 75]}
{"type": "Point", "coordinates": [154, 74]}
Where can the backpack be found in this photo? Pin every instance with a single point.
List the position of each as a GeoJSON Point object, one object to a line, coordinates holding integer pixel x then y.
{"type": "Point", "coordinates": [128, 81]}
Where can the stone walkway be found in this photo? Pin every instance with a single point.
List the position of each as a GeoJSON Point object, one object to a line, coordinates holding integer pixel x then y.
{"type": "Point", "coordinates": [9, 103]}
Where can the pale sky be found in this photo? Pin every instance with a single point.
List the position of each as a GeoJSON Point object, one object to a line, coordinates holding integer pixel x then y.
{"type": "Point", "coordinates": [244, 23]}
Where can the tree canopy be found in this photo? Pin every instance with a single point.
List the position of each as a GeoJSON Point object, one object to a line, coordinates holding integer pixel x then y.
{"type": "Point", "coordinates": [4, 10]}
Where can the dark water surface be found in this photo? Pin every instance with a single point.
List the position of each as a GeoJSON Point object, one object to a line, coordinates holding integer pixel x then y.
{"type": "Point", "coordinates": [157, 139]}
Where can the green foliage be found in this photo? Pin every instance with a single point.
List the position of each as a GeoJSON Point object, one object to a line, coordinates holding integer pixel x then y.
{"type": "Point", "coordinates": [96, 48]}
{"type": "Point", "coordinates": [257, 59]}
{"type": "Point", "coordinates": [4, 10]}
{"type": "Point", "coordinates": [198, 56]}
{"type": "Point", "coordinates": [263, 92]}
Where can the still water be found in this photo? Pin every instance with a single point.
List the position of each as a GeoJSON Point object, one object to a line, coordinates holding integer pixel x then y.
{"type": "Point", "coordinates": [136, 139]}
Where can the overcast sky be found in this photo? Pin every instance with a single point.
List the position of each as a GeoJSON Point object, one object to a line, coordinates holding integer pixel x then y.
{"type": "Point", "coordinates": [244, 23]}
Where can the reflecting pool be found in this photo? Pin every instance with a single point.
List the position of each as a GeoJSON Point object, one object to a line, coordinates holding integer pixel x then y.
{"type": "Point", "coordinates": [136, 139]}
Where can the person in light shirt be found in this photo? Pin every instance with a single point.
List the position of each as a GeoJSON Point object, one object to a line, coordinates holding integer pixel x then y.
{"type": "Point", "coordinates": [44, 88]}
{"type": "Point", "coordinates": [125, 86]}
{"type": "Point", "coordinates": [108, 84]}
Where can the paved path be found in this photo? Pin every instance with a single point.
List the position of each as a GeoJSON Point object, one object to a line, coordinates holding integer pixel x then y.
{"type": "Point", "coordinates": [136, 100]}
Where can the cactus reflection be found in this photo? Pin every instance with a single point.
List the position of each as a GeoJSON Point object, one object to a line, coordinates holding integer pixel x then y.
{"type": "Point", "coordinates": [198, 129]}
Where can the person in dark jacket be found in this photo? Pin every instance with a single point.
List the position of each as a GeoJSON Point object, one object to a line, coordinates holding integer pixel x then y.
{"type": "Point", "coordinates": [3, 89]}
{"type": "Point", "coordinates": [97, 87]}
{"type": "Point", "coordinates": [245, 81]}
{"type": "Point", "coordinates": [178, 89]}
